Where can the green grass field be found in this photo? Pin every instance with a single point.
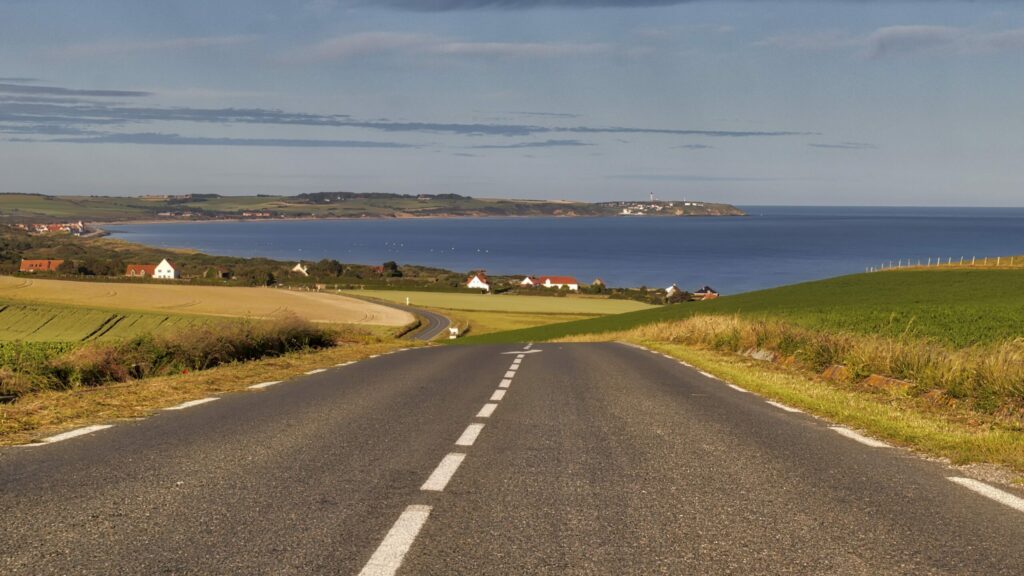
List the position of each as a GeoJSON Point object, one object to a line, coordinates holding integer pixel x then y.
{"type": "Point", "coordinates": [51, 323]}
{"type": "Point", "coordinates": [957, 307]}
{"type": "Point", "coordinates": [502, 303]}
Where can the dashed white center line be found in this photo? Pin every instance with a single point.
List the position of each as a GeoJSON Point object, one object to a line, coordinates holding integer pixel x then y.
{"type": "Point", "coordinates": [987, 491]}
{"type": "Point", "coordinates": [469, 436]}
{"type": "Point", "coordinates": [505, 383]}
{"type": "Point", "coordinates": [73, 434]}
{"type": "Point", "coordinates": [498, 395]}
{"type": "Point", "coordinates": [486, 411]}
{"type": "Point", "coordinates": [388, 557]}
{"type": "Point", "coordinates": [510, 374]}
{"type": "Point", "coordinates": [262, 385]}
{"type": "Point", "coordinates": [517, 362]}
{"type": "Point", "coordinates": [782, 406]}
{"type": "Point", "coordinates": [858, 437]}
{"type": "Point", "coordinates": [520, 356]}
{"type": "Point", "coordinates": [443, 473]}
{"type": "Point", "coordinates": [317, 371]}
{"type": "Point", "coordinates": [192, 403]}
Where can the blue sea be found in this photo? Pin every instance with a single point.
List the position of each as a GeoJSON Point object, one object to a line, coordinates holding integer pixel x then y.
{"type": "Point", "coordinates": [772, 246]}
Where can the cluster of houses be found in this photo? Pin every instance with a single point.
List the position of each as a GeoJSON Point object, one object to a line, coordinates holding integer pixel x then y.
{"type": "Point", "coordinates": [479, 281]}
{"type": "Point", "coordinates": [73, 228]}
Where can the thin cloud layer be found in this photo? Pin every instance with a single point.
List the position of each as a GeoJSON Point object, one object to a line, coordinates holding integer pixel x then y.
{"type": "Point", "coordinates": [171, 44]}
{"type": "Point", "coordinates": [890, 41]}
{"type": "Point", "coordinates": [151, 138]}
{"type": "Point", "coordinates": [366, 44]}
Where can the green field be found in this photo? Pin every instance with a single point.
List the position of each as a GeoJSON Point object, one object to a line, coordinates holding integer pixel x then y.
{"type": "Point", "coordinates": [957, 307]}
{"type": "Point", "coordinates": [503, 303]}
{"type": "Point", "coordinates": [50, 323]}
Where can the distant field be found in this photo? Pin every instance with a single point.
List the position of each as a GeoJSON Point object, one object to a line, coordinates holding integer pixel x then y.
{"type": "Point", "coordinates": [482, 322]}
{"type": "Point", "coordinates": [55, 323]}
{"type": "Point", "coordinates": [201, 300]}
{"type": "Point", "coordinates": [502, 303]}
{"type": "Point", "coordinates": [954, 306]}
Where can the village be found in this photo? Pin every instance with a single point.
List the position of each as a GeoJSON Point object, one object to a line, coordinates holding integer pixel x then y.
{"type": "Point", "coordinates": [480, 281]}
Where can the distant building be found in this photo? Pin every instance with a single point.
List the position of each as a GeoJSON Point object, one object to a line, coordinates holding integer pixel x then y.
{"type": "Point", "coordinates": [166, 271]}
{"type": "Point", "coordinates": [597, 282]}
{"type": "Point", "coordinates": [301, 268]}
{"type": "Point", "coordinates": [479, 281]}
{"type": "Point", "coordinates": [218, 273]}
{"type": "Point", "coordinates": [671, 290]}
{"type": "Point", "coordinates": [140, 270]}
{"type": "Point", "coordinates": [40, 265]}
{"type": "Point", "coordinates": [559, 282]}
{"type": "Point", "coordinates": [528, 281]}
{"type": "Point", "coordinates": [706, 293]}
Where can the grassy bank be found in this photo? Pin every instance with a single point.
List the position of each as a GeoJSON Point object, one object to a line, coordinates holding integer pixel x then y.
{"type": "Point", "coordinates": [40, 414]}
{"type": "Point", "coordinates": [48, 367]}
{"type": "Point", "coordinates": [956, 307]}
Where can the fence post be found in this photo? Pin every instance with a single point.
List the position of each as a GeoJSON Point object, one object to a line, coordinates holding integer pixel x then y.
{"type": "Point", "coordinates": [999, 260]}
{"type": "Point", "coordinates": [973, 258]}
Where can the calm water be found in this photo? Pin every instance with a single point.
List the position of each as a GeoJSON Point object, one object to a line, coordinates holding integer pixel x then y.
{"type": "Point", "coordinates": [771, 247]}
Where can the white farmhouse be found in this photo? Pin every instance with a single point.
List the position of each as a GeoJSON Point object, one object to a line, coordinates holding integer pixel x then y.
{"type": "Point", "coordinates": [559, 282]}
{"type": "Point", "coordinates": [478, 281]}
{"type": "Point", "coordinates": [671, 290]}
{"type": "Point", "coordinates": [166, 271]}
{"type": "Point", "coordinates": [528, 281]}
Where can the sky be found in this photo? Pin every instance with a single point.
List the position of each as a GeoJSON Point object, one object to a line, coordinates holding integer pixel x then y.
{"type": "Point", "coordinates": [833, 102]}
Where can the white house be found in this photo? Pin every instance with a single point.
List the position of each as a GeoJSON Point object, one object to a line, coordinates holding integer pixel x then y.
{"type": "Point", "coordinates": [528, 281]}
{"type": "Point", "coordinates": [559, 282]}
{"type": "Point", "coordinates": [671, 290]}
{"type": "Point", "coordinates": [301, 268]}
{"type": "Point", "coordinates": [165, 271]}
{"type": "Point", "coordinates": [478, 281]}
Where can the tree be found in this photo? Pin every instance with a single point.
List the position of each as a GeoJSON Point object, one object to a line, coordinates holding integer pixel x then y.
{"type": "Point", "coordinates": [391, 270]}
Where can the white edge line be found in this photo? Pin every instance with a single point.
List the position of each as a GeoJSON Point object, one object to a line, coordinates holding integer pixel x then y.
{"type": "Point", "coordinates": [469, 435]}
{"type": "Point", "coordinates": [858, 437]}
{"type": "Point", "coordinates": [388, 557]}
{"type": "Point", "coordinates": [262, 385]}
{"type": "Point", "coordinates": [708, 374]}
{"type": "Point", "coordinates": [783, 407]}
{"type": "Point", "coordinates": [1005, 498]}
{"type": "Point", "coordinates": [498, 395]}
{"type": "Point", "coordinates": [317, 371]}
{"type": "Point", "coordinates": [71, 434]}
{"type": "Point", "coordinates": [486, 411]}
{"type": "Point", "coordinates": [192, 403]}
{"type": "Point", "coordinates": [441, 475]}
{"type": "Point", "coordinates": [737, 388]}
{"type": "Point", "coordinates": [505, 383]}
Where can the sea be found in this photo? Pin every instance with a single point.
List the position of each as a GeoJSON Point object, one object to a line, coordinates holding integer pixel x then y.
{"type": "Point", "coordinates": [772, 246]}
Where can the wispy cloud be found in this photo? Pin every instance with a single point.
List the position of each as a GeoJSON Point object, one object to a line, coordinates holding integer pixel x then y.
{"type": "Point", "coordinates": [13, 88]}
{"type": "Point", "coordinates": [384, 43]}
{"type": "Point", "coordinates": [846, 146]}
{"type": "Point", "coordinates": [543, 144]}
{"type": "Point", "coordinates": [114, 48]}
{"type": "Point", "coordinates": [904, 40]}
{"type": "Point", "coordinates": [692, 147]}
{"type": "Point", "coordinates": [177, 140]}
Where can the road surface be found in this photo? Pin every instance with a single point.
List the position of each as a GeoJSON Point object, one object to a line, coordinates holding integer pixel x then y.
{"type": "Point", "coordinates": [577, 459]}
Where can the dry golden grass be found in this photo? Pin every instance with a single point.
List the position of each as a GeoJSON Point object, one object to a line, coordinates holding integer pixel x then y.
{"type": "Point", "coordinates": [203, 300]}
{"type": "Point", "coordinates": [42, 414]}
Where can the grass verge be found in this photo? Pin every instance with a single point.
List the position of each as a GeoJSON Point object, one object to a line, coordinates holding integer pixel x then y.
{"type": "Point", "coordinates": [40, 414]}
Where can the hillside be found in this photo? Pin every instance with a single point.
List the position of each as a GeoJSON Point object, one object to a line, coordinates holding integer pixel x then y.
{"type": "Point", "coordinates": [958, 307]}
{"type": "Point", "coordinates": [35, 208]}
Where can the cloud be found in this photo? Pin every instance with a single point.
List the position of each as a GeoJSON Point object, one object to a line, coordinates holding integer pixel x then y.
{"type": "Point", "coordinates": [386, 43]}
{"type": "Point", "coordinates": [175, 139]}
{"type": "Point", "coordinates": [544, 144]}
{"type": "Point", "coordinates": [846, 146]}
{"type": "Point", "coordinates": [13, 88]}
{"type": "Point", "coordinates": [449, 5]}
{"type": "Point", "coordinates": [116, 48]}
{"type": "Point", "coordinates": [890, 41]}
{"type": "Point", "coordinates": [694, 178]}
{"type": "Point", "coordinates": [692, 147]}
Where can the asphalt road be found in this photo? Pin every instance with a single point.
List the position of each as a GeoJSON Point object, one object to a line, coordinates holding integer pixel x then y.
{"type": "Point", "coordinates": [433, 323]}
{"type": "Point", "coordinates": [581, 459]}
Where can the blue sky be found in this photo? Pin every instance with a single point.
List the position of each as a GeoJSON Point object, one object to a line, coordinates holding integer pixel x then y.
{"type": "Point", "coordinates": [756, 102]}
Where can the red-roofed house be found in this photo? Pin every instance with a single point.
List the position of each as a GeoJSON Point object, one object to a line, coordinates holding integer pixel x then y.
{"type": "Point", "coordinates": [40, 265]}
{"type": "Point", "coordinates": [479, 281]}
{"type": "Point", "coordinates": [559, 282]}
{"type": "Point", "coordinates": [140, 270]}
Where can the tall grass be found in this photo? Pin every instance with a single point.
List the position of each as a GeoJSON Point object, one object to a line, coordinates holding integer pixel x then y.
{"type": "Point", "coordinates": [987, 377]}
{"type": "Point", "coordinates": [204, 347]}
